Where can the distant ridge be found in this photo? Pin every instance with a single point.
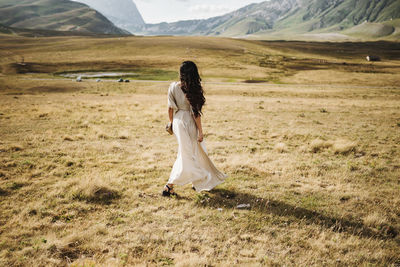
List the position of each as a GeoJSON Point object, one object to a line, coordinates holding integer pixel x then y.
{"type": "Point", "coordinates": [55, 15]}
{"type": "Point", "coordinates": [122, 13]}
{"type": "Point", "coordinates": [285, 18]}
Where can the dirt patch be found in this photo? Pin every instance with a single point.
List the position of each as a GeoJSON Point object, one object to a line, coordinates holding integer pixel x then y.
{"type": "Point", "coordinates": [344, 50]}
{"type": "Point", "coordinates": [292, 65]}
{"type": "Point", "coordinates": [52, 89]}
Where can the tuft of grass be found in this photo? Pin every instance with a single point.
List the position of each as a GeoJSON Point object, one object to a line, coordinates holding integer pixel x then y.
{"type": "Point", "coordinates": [344, 147]}
{"type": "Point", "coordinates": [318, 145]}
{"type": "Point", "coordinates": [79, 137]}
{"type": "Point", "coordinates": [3, 192]}
{"type": "Point", "coordinates": [102, 135]}
{"type": "Point", "coordinates": [69, 163]}
{"type": "Point", "coordinates": [202, 198]}
{"type": "Point", "coordinates": [123, 135]}
{"type": "Point", "coordinates": [85, 124]}
{"type": "Point", "coordinates": [94, 190]}
{"type": "Point", "coordinates": [43, 115]}
{"type": "Point", "coordinates": [352, 166]}
{"type": "Point", "coordinates": [84, 263]}
{"type": "Point", "coordinates": [374, 219]}
{"type": "Point", "coordinates": [70, 247]}
{"type": "Point", "coordinates": [15, 185]}
{"type": "Point", "coordinates": [165, 261]}
{"type": "Point", "coordinates": [280, 148]}
{"type": "Point", "coordinates": [68, 138]}
{"type": "Point", "coordinates": [15, 147]}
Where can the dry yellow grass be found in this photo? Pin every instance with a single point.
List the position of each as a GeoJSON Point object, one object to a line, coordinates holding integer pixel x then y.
{"type": "Point", "coordinates": [82, 168]}
{"type": "Point", "coordinates": [87, 198]}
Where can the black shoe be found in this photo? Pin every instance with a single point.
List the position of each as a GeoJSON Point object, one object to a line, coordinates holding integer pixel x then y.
{"type": "Point", "coordinates": [193, 188]}
{"type": "Point", "coordinates": [167, 192]}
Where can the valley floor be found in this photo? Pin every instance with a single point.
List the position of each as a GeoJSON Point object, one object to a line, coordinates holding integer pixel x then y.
{"type": "Point", "coordinates": [82, 165]}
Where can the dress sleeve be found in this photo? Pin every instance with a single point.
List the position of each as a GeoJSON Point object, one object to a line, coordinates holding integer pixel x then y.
{"type": "Point", "coordinates": [171, 97]}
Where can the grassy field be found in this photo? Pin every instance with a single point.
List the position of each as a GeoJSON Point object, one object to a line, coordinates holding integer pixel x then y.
{"type": "Point", "coordinates": [314, 150]}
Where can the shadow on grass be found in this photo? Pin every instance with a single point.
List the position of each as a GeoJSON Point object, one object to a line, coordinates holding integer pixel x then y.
{"type": "Point", "coordinates": [3, 192]}
{"type": "Point", "coordinates": [229, 199]}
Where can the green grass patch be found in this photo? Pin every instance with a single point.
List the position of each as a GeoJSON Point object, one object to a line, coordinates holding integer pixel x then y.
{"type": "Point", "coordinates": [155, 75]}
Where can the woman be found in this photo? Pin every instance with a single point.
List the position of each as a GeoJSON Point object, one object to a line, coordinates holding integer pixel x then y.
{"type": "Point", "coordinates": [185, 102]}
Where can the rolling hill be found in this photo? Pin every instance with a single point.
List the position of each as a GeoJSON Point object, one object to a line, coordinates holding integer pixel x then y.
{"type": "Point", "coordinates": [55, 15]}
{"type": "Point", "coordinates": [289, 17]}
{"type": "Point", "coordinates": [122, 13]}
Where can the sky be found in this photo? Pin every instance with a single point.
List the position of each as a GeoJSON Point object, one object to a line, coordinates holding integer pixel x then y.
{"type": "Point", "coordinates": [156, 11]}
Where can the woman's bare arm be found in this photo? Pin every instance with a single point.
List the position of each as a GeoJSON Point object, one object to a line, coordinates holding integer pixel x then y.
{"type": "Point", "coordinates": [198, 124]}
{"type": "Point", "coordinates": [171, 114]}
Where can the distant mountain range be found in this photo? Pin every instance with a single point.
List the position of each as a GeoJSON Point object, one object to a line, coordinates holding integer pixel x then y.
{"type": "Point", "coordinates": [54, 15]}
{"type": "Point", "coordinates": [123, 13]}
{"type": "Point", "coordinates": [289, 17]}
{"type": "Point", "coordinates": [274, 19]}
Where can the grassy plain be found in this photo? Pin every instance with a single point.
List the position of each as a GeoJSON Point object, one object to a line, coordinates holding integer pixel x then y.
{"type": "Point", "coordinates": [315, 151]}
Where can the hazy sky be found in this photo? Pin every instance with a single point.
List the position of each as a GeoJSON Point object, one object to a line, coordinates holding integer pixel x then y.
{"type": "Point", "coordinates": [154, 11]}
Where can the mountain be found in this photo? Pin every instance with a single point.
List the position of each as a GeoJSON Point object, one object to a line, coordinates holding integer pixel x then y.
{"type": "Point", "coordinates": [288, 17]}
{"type": "Point", "coordinates": [314, 15]}
{"type": "Point", "coordinates": [42, 33]}
{"type": "Point", "coordinates": [247, 20]}
{"type": "Point", "coordinates": [55, 15]}
{"type": "Point", "coordinates": [122, 13]}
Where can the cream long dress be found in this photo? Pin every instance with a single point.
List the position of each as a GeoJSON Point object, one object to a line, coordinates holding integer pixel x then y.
{"type": "Point", "coordinates": [192, 164]}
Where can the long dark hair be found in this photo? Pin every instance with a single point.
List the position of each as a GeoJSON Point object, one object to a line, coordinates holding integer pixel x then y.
{"type": "Point", "coordinates": [191, 86]}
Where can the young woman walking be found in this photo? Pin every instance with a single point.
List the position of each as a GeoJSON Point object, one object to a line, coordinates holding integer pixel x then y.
{"type": "Point", "coordinates": [185, 102]}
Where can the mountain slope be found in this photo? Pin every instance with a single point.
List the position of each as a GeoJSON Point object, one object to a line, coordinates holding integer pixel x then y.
{"type": "Point", "coordinates": [247, 20]}
{"type": "Point", "coordinates": [288, 17]}
{"type": "Point", "coordinates": [122, 13]}
{"type": "Point", "coordinates": [57, 15]}
{"type": "Point", "coordinates": [314, 15]}
{"type": "Point", "coordinates": [42, 33]}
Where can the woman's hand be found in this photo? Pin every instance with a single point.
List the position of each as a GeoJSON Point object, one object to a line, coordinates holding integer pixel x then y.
{"type": "Point", "coordinates": [200, 137]}
{"type": "Point", "coordinates": [200, 129]}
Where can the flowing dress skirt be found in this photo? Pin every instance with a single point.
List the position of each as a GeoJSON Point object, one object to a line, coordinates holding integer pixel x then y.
{"type": "Point", "coordinates": [192, 164]}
